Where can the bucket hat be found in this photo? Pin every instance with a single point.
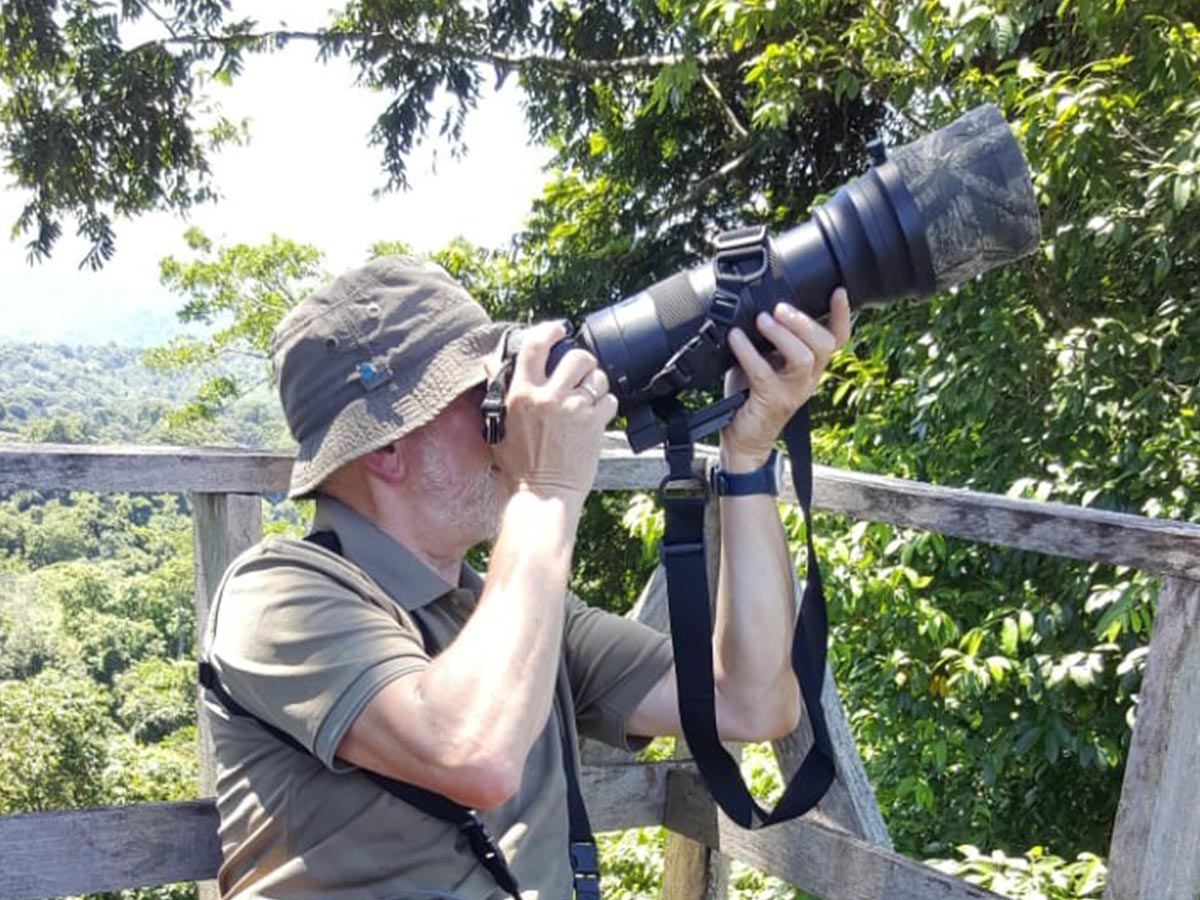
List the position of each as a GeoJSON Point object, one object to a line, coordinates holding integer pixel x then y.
{"type": "Point", "coordinates": [372, 356]}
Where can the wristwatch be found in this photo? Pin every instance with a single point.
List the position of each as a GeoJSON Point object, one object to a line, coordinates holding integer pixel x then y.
{"type": "Point", "coordinates": [763, 480]}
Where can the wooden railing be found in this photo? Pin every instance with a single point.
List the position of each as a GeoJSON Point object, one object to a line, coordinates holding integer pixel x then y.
{"type": "Point", "coordinates": [840, 851]}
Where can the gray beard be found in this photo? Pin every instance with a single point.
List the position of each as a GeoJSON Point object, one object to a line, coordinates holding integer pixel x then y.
{"type": "Point", "coordinates": [469, 506]}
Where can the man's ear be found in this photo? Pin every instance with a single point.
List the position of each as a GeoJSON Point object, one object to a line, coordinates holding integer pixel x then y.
{"type": "Point", "coordinates": [387, 463]}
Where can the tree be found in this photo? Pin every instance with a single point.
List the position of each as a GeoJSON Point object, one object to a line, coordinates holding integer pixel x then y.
{"type": "Point", "coordinates": [244, 290]}
{"type": "Point", "coordinates": [53, 729]}
{"type": "Point", "coordinates": [155, 698]}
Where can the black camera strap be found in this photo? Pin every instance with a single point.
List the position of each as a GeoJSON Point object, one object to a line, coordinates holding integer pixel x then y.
{"type": "Point", "coordinates": [582, 844]}
{"type": "Point", "coordinates": [683, 495]}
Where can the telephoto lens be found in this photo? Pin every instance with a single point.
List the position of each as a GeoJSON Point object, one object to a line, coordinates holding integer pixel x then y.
{"type": "Point", "coordinates": [929, 215]}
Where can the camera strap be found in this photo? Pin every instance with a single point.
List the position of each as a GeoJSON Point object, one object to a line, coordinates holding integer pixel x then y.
{"type": "Point", "coordinates": [683, 495]}
{"type": "Point", "coordinates": [582, 844]}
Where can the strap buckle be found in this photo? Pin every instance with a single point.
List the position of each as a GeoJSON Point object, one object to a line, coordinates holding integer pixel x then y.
{"type": "Point", "coordinates": [584, 858]}
{"type": "Point", "coordinates": [724, 307]}
{"type": "Point", "coordinates": [585, 866]}
{"type": "Point", "coordinates": [492, 407]}
{"type": "Point", "coordinates": [488, 853]}
{"type": "Point", "coordinates": [740, 246]}
{"type": "Point", "coordinates": [682, 488]}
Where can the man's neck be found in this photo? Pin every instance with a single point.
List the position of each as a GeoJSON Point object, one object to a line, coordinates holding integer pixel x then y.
{"type": "Point", "coordinates": [405, 526]}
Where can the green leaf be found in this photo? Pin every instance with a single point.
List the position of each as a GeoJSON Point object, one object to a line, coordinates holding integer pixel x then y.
{"type": "Point", "coordinates": [1182, 192]}
{"type": "Point", "coordinates": [1009, 636]}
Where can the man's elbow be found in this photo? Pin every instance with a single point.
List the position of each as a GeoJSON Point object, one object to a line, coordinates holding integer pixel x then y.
{"type": "Point", "coordinates": [483, 782]}
{"type": "Point", "coordinates": [786, 719]}
{"type": "Point", "coordinates": [767, 717]}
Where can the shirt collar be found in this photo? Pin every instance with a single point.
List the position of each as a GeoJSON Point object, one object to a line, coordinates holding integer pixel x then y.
{"type": "Point", "coordinates": [394, 567]}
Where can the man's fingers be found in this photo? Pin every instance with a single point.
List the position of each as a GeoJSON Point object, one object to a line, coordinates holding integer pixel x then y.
{"type": "Point", "coordinates": [576, 366]}
{"type": "Point", "coordinates": [753, 364]}
{"type": "Point", "coordinates": [535, 350]}
{"type": "Point", "coordinates": [820, 341]}
{"type": "Point", "coordinates": [839, 317]}
{"type": "Point", "coordinates": [799, 355]}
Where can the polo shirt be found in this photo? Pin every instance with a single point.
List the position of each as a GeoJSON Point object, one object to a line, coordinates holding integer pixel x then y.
{"type": "Point", "coordinates": [303, 639]}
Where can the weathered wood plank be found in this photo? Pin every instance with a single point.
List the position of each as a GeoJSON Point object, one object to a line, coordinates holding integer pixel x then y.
{"type": "Point", "coordinates": [85, 851]}
{"type": "Point", "coordinates": [146, 468]}
{"type": "Point", "coordinates": [814, 857]}
{"type": "Point", "coordinates": [1155, 545]}
{"type": "Point", "coordinates": [223, 526]}
{"type": "Point", "coordinates": [1155, 852]}
{"type": "Point", "coordinates": [850, 801]}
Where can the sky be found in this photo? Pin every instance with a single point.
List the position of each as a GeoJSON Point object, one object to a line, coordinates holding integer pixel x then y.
{"type": "Point", "coordinates": [307, 174]}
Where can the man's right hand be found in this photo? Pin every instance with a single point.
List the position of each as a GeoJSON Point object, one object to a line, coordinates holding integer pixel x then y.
{"type": "Point", "coordinates": [555, 423]}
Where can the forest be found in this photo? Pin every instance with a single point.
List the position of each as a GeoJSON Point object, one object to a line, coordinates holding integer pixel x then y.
{"type": "Point", "coordinates": [991, 693]}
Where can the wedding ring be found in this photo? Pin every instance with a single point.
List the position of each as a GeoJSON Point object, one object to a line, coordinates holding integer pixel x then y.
{"type": "Point", "coordinates": [586, 387]}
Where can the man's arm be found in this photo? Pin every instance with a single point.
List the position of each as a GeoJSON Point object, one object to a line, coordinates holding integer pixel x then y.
{"type": "Point", "coordinates": [757, 697]}
{"type": "Point", "coordinates": [464, 725]}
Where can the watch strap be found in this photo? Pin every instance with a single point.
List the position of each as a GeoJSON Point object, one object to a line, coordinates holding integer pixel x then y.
{"type": "Point", "coordinates": [763, 480]}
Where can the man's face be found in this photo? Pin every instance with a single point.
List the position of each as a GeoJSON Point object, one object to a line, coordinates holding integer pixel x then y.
{"type": "Point", "coordinates": [454, 468]}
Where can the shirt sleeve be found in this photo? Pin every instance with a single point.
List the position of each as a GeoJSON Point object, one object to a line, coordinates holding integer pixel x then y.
{"type": "Point", "coordinates": [612, 663]}
{"type": "Point", "coordinates": [304, 652]}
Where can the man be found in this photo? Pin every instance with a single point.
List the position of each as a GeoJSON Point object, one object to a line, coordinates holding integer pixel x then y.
{"type": "Point", "coordinates": [328, 651]}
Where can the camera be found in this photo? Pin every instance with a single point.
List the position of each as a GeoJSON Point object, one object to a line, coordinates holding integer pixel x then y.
{"type": "Point", "coordinates": [924, 217]}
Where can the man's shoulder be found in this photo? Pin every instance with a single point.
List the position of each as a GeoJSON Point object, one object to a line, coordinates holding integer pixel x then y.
{"type": "Point", "coordinates": [282, 558]}
{"type": "Point", "coordinates": [283, 579]}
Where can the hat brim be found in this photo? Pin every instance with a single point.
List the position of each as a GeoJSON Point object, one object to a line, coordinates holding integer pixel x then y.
{"type": "Point", "coordinates": [397, 408]}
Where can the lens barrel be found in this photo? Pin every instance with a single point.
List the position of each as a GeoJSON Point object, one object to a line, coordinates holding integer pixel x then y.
{"type": "Point", "coordinates": [941, 210]}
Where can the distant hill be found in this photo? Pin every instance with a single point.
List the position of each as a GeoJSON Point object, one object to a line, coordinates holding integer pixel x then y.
{"type": "Point", "coordinates": [140, 329]}
{"type": "Point", "coordinates": [103, 394]}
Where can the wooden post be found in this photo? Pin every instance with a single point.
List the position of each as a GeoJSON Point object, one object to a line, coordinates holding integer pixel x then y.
{"type": "Point", "coordinates": [223, 525]}
{"type": "Point", "coordinates": [1155, 852]}
{"type": "Point", "coordinates": [850, 801]}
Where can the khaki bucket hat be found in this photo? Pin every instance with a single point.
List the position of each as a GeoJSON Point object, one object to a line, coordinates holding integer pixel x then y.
{"type": "Point", "coordinates": [372, 356]}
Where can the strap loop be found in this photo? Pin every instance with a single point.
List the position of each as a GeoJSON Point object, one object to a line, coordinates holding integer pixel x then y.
{"type": "Point", "coordinates": [682, 553]}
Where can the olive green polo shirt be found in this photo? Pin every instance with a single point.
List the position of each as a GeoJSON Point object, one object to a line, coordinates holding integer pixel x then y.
{"type": "Point", "coordinates": [303, 641]}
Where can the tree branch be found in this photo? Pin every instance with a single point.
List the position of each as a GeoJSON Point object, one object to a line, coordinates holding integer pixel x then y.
{"type": "Point", "coordinates": [730, 115]}
{"type": "Point", "coordinates": [904, 39]}
{"type": "Point", "coordinates": [699, 188]}
{"type": "Point", "coordinates": [439, 50]}
{"type": "Point", "coordinates": [166, 23]}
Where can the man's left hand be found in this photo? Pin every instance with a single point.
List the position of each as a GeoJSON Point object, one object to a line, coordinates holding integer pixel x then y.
{"type": "Point", "coordinates": [803, 348]}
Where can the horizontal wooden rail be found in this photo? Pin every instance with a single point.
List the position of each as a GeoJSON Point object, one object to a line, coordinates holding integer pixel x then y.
{"type": "Point", "coordinates": [1153, 545]}
{"type": "Point", "coordinates": [149, 469]}
{"type": "Point", "coordinates": [810, 855]}
{"type": "Point", "coordinates": [85, 851]}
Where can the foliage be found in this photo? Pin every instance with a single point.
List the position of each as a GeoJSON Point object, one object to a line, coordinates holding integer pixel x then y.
{"type": "Point", "coordinates": [93, 128]}
{"type": "Point", "coordinates": [52, 742]}
{"type": "Point", "coordinates": [104, 394]}
{"type": "Point", "coordinates": [160, 771]}
{"type": "Point", "coordinates": [97, 682]}
{"type": "Point", "coordinates": [1034, 875]}
{"type": "Point", "coordinates": [241, 291]}
{"type": "Point", "coordinates": [1007, 691]}
{"type": "Point", "coordinates": [30, 632]}
{"type": "Point", "coordinates": [156, 697]}
{"type": "Point", "coordinates": [631, 863]}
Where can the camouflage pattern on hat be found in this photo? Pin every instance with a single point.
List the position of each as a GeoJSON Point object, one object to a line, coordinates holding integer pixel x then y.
{"type": "Point", "coordinates": [372, 356]}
